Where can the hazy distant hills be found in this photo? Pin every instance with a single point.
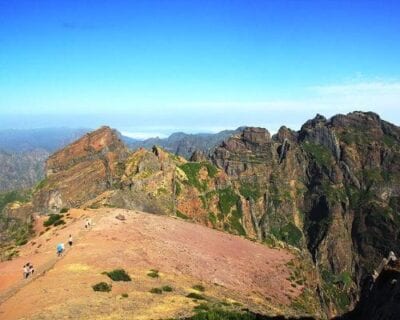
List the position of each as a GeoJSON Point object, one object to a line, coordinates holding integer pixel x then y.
{"type": "Point", "coordinates": [49, 139]}
{"type": "Point", "coordinates": [23, 154]}
{"type": "Point", "coordinates": [184, 144]}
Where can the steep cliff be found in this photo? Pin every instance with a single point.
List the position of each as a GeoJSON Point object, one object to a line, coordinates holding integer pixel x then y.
{"type": "Point", "coordinates": [80, 171]}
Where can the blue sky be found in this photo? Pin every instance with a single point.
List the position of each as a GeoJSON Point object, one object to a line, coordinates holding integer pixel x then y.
{"type": "Point", "coordinates": [155, 67]}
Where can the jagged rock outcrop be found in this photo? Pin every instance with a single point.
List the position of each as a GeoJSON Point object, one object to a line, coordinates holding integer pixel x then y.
{"type": "Point", "coordinates": [81, 171]}
{"type": "Point", "coordinates": [331, 188]}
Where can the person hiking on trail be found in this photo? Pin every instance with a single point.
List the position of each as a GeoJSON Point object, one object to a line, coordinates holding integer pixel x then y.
{"type": "Point", "coordinates": [60, 249]}
{"type": "Point", "coordinates": [31, 270]}
{"type": "Point", "coordinates": [70, 240]}
{"type": "Point", "coordinates": [26, 271]}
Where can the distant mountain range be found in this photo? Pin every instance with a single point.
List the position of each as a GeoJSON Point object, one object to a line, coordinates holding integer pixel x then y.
{"type": "Point", "coordinates": [184, 144]}
{"type": "Point", "coordinates": [23, 152]}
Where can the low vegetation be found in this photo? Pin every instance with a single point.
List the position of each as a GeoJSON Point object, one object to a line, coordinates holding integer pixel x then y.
{"type": "Point", "coordinates": [118, 275]}
{"type": "Point", "coordinates": [156, 291]}
{"type": "Point", "coordinates": [153, 273]}
{"type": "Point", "coordinates": [54, 219]}
{"type": "Point", "coordinates": [227, 199]}
{"type": "Point", "coordinates": [196, 296]}
{"type": "Point", "coordinates": [167, 288]}
{"type": "Point", "coordinates": [102, 287]}
{"type": "Point", "coordinates": [199, 287]}
{"type": "Point", "coordinates": [320, 153]}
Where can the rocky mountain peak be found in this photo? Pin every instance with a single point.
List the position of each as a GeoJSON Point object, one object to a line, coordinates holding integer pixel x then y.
{"type": "Point", "coordinates": [102, 140]}
{"type": "Point", "coordinates": [256, 135]}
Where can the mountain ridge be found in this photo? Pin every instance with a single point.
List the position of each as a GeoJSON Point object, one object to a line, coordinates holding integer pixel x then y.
{"type": "Point", "coordinates": [329, 190]}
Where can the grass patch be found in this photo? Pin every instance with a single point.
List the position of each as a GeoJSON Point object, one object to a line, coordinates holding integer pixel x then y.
{"type": "Point", "coordinates": [167, 289]}
{"type": "Point", "coordinates": [156, 291]}
{"type": "Point", "coordinates": [118, 275]}
{"type": "Point", "coordinates": [196, 296]}
{"type": "Point", "coordinates": [191, 170]}
{"type": "Point", "coordinates": [153, 273]}
{"type": "Point", "coordinates": [102, 287]}
{"type": "Point", "coordinates": [249, 190]}
{"type": "Point", "coordinates": [212, 218]}
{"type": "Point", "coordinates": [199, 287]}
{"type": "Point", "coordinates": [227, 199]}
{"type": "Point", "coordinates": [201, 307]}
{"type": "Point", "coordinates": [289, 234]}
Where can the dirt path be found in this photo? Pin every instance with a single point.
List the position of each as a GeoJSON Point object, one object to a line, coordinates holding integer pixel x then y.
{"type": "Point", "coordinates": [228, 266]}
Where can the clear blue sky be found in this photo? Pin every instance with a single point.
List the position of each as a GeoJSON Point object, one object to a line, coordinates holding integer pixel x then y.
{"type": "Point", "coordinates": [162, 66]}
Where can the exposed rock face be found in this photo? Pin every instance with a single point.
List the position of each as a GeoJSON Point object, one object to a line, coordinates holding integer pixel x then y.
{"type": "Point", "coordinates": [81, 171]}
{"type": "Point", "coordinates": [331, 188]}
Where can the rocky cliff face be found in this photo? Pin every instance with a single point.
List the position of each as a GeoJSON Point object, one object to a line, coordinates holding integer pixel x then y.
{"type": "Point", "coordinates": [80, 171]}
{"type": "Point", "coordinates": [330, 189]}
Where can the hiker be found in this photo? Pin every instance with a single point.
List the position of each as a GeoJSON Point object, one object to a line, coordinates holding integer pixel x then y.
{"type": "Point", "coordinates": [60, 249]}
{"type": "Point", "coordinates": [31, 270]}
{"type": "Point", "coordinates": [26, 271]}
{"type": "Point", "coordinates": [70, 240]}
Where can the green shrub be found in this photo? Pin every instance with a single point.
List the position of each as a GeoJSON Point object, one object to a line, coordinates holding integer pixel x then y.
{"type": "Point", "coordinates": [167, 288]}
{"type": "Point", "coordinates": [64, 210]}
{"type": "Point", "coordinates": [102, 286]}
{"type": "Point", "coordinates": [124, 295]}
{"type": "Point", "coordinates": [59, 222]}
{"type": "Point", "coordinates": [118, 275]}
{"type": "Point", "coordinates": [194, 295]}
{"type": "Point", "coordinates": [53, 218]}
{"type": "Point", "coordinates": [199, 287]}
{"type": "Point", "coordinates": [153, 273]}
{"type": "Point", "coordinates": [156, 290]}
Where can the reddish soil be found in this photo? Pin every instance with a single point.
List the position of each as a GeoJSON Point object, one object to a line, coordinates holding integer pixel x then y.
{"type": "Point", "coordinates": [230, 267]}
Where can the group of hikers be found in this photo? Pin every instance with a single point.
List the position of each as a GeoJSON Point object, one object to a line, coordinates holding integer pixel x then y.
{"type": "Point", "coordinates": [28, 270]}
{"type": "Point", "coordinates": [28, 267]}
{"type": "Point", "coordinates": [61, 247]}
